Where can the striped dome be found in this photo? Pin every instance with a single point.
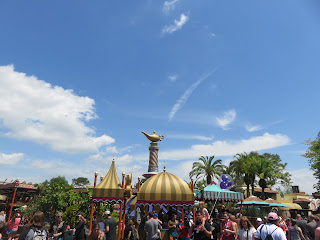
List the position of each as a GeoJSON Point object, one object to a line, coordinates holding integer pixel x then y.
{"type": "Point", "coordinates": [165, 188]}
{"type": "Point", "coordinates": [109, 188]}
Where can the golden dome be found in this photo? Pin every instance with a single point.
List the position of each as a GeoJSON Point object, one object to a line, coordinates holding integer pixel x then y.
{"type": "Point", "coordinates": [165, 187]}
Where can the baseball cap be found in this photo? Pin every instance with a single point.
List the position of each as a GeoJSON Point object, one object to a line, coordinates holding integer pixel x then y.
{"type": "Point", "coordinates": [273, 216]}
{"type": "Point", "coordinates": [107, 212]}
{"type": "Point", "coordinates": [155, 214]}
{"type": "Point", "coordinates": [259, 219]}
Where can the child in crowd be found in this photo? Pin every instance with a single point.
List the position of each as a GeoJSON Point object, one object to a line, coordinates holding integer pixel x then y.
{"type": "Point", "coordinates": [204, 212]}
{"type": "Point", "coordinates": [13, 225]}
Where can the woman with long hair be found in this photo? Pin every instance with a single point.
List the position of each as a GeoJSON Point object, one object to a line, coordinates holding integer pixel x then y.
{"type": "Point", "coordinates": [131, 232]}
{"type": "Point", "coordinates": [295, 232]}
{"type": "Point", "coordinates": [35, 229]}
{"type": "Point", "coordinates": [95, 234]}
{"type": "Point", "coordinates": [246, 230]}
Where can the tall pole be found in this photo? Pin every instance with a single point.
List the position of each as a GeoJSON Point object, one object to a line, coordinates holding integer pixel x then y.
{"type": "Point", "coordinates": [16, 185]}
{"type": "Point", "coordinates": [121, 205]}
{"type": "Point", "coordinates": [99, 203]}
{"type": "Point", "coordinates": [92, 203]}
{"type": "Point", "coordinates": [193, 209]}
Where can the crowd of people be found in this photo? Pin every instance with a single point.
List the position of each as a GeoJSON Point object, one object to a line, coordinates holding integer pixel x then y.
{"type": "Point", "coordinates": [224, 226]}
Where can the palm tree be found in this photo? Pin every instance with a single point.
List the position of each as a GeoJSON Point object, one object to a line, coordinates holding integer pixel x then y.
{"type": "Point", "coordinates": [207, 168]}
{"type": "Point", "coordinates": [244, 168]}
{"type": "Point", "coordinates": [271, 170]}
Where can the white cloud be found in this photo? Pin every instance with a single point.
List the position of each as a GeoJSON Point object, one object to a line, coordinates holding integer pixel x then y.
{"type": "Point", "coordinates": [168, 6]}
{"type": "Point", "coordinates": [177, 24]}
{"type": "Point", "coordinates": [252, 128]}
{"type": "Point", "coordinates": [224, 148]}
{"type": "Point", "coordinates": [212, 35]}
{"type": "Point", "coordinates": [45, 164]}
{"type": "Point", "coordinates": [10, 159]}
{"type": "Point", "coordinates": [33, 109]}
{"type": "Point", "coordinates": [185, 136]}
{"type": "Point", "coordinates": [304, 179]}
{"type": "Point", "coordinates": [173, 78]}
{"type": "Point", "coordinates": [227, 118]}
{"type": "Point", "coordinates": [183, 99]}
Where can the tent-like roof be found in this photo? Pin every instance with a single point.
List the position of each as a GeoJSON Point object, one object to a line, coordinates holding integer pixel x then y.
{"type": "Point", "coordinates": [292, 206]}
{"type": "Point", "coordinates": [215, 192]}
{"type": "Point", "coordinates": [274, 203]}
{"type": "Point", "coordinates": [109, 189]}
{"type": "Point", "coordinates": [165, 188]}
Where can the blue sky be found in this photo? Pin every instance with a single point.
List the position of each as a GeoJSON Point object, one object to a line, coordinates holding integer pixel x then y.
{"type": "Point", "coordinates": [80, 80]}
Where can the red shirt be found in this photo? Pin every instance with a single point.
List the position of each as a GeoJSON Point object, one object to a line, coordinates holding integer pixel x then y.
{"type": "Point", "coordinates": [184, 232]}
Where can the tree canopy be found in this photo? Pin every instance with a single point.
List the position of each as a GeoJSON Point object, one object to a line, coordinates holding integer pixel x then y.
{"type": "Point", "coordinates": [207, 168]}
{"type": "Point", "coordinates": [313, 155]}
{"type": "Point", "coordinates": [80, 182]}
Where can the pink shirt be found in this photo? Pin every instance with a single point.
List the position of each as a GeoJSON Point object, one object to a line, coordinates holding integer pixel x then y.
{"type": "Point", "coordinates": [205, 214]}
{"type": "Point", "coordinates": [15, 225]}
{"type": "Point", "coordinates": [227, 225]}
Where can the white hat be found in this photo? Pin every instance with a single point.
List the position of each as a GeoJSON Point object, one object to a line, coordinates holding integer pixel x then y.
{"type": "Point", "coordinates": [259, 220]}
{"type": "Point", "coordinates": [107, 212]}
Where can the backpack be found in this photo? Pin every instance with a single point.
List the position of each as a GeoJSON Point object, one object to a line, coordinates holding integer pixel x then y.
{"type": "Point", "coordinates": [269, 235]}
{"type": "Point", "coordinates": [34, 234]}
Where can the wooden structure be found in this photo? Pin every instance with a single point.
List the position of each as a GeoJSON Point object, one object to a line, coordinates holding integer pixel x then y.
{"type": "Point", "coordinates": [17, 192]}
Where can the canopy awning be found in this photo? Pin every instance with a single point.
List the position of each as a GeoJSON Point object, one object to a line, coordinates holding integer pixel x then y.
{"type": "Point", "coordinates": [109, 189]}
{"type": "Point", "coordinates": [292, 206]}
{"type": "Point", "coordinates": [253, 200]}
{"type": "Point", "coordinates": [215, 192]}
{"type": "Point", "coordinates": [165, 188]}
{"type": "Point", "coordinates": [274, 203]}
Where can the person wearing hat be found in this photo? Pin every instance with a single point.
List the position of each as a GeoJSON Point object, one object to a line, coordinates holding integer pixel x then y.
{"type": "Point", "coordinates": [270, 229]}
{"type": "Point", "coordinates": [259, 222]}
{"type": "Point", "coordinates": [111, 226]}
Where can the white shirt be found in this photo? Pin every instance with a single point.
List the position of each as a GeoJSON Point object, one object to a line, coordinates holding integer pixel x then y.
{"type": "Point", "coordinates": [246, 234]}
{"type": "Point", "coordinates": [265, 229]}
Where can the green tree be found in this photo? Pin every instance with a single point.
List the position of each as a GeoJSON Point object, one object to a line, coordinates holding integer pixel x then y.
{"type": "Point", "coordinates": [313, 155]}
{"type": "Point", "coordinates": [207, 168]}
{"type": "Point", "coordinates": [268, 167]}
{"type": "Point", "coordinates": [80, 182]}
{"type": "Point", "coordinates": [200, 183]}
{"type": "Point", "coordinates": [60, 180]}
{"type": "Point", "coordinates": [243, 168]}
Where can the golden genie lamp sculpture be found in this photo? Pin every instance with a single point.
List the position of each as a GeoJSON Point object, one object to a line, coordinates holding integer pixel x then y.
{"type": "Point", "coordinates": [153, 137]}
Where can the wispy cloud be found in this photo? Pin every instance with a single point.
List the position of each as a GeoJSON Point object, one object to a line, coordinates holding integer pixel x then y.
{"type": "Point", "coordinates": [187, 137]}
{"type": "Point", "coordinates": [227, 148]}
{"type": "Point", "coordinates": [173, 77]}
{"type": "Point", "coordinates": [212, 35]}
{"type": "Point", "coordinates": [177, 24]}
{"type": "Point", "coordinates": [183, 99]}
{"type": "Point", "coordinates": [227, 118]}
{"type": "Point", "coordinates": [252, 128]}
{"type": "Point", "coordinates": [168, 6]}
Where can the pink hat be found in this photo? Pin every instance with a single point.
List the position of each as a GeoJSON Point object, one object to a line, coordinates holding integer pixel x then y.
{"type": "Point", "coordinates": [273, 216]}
